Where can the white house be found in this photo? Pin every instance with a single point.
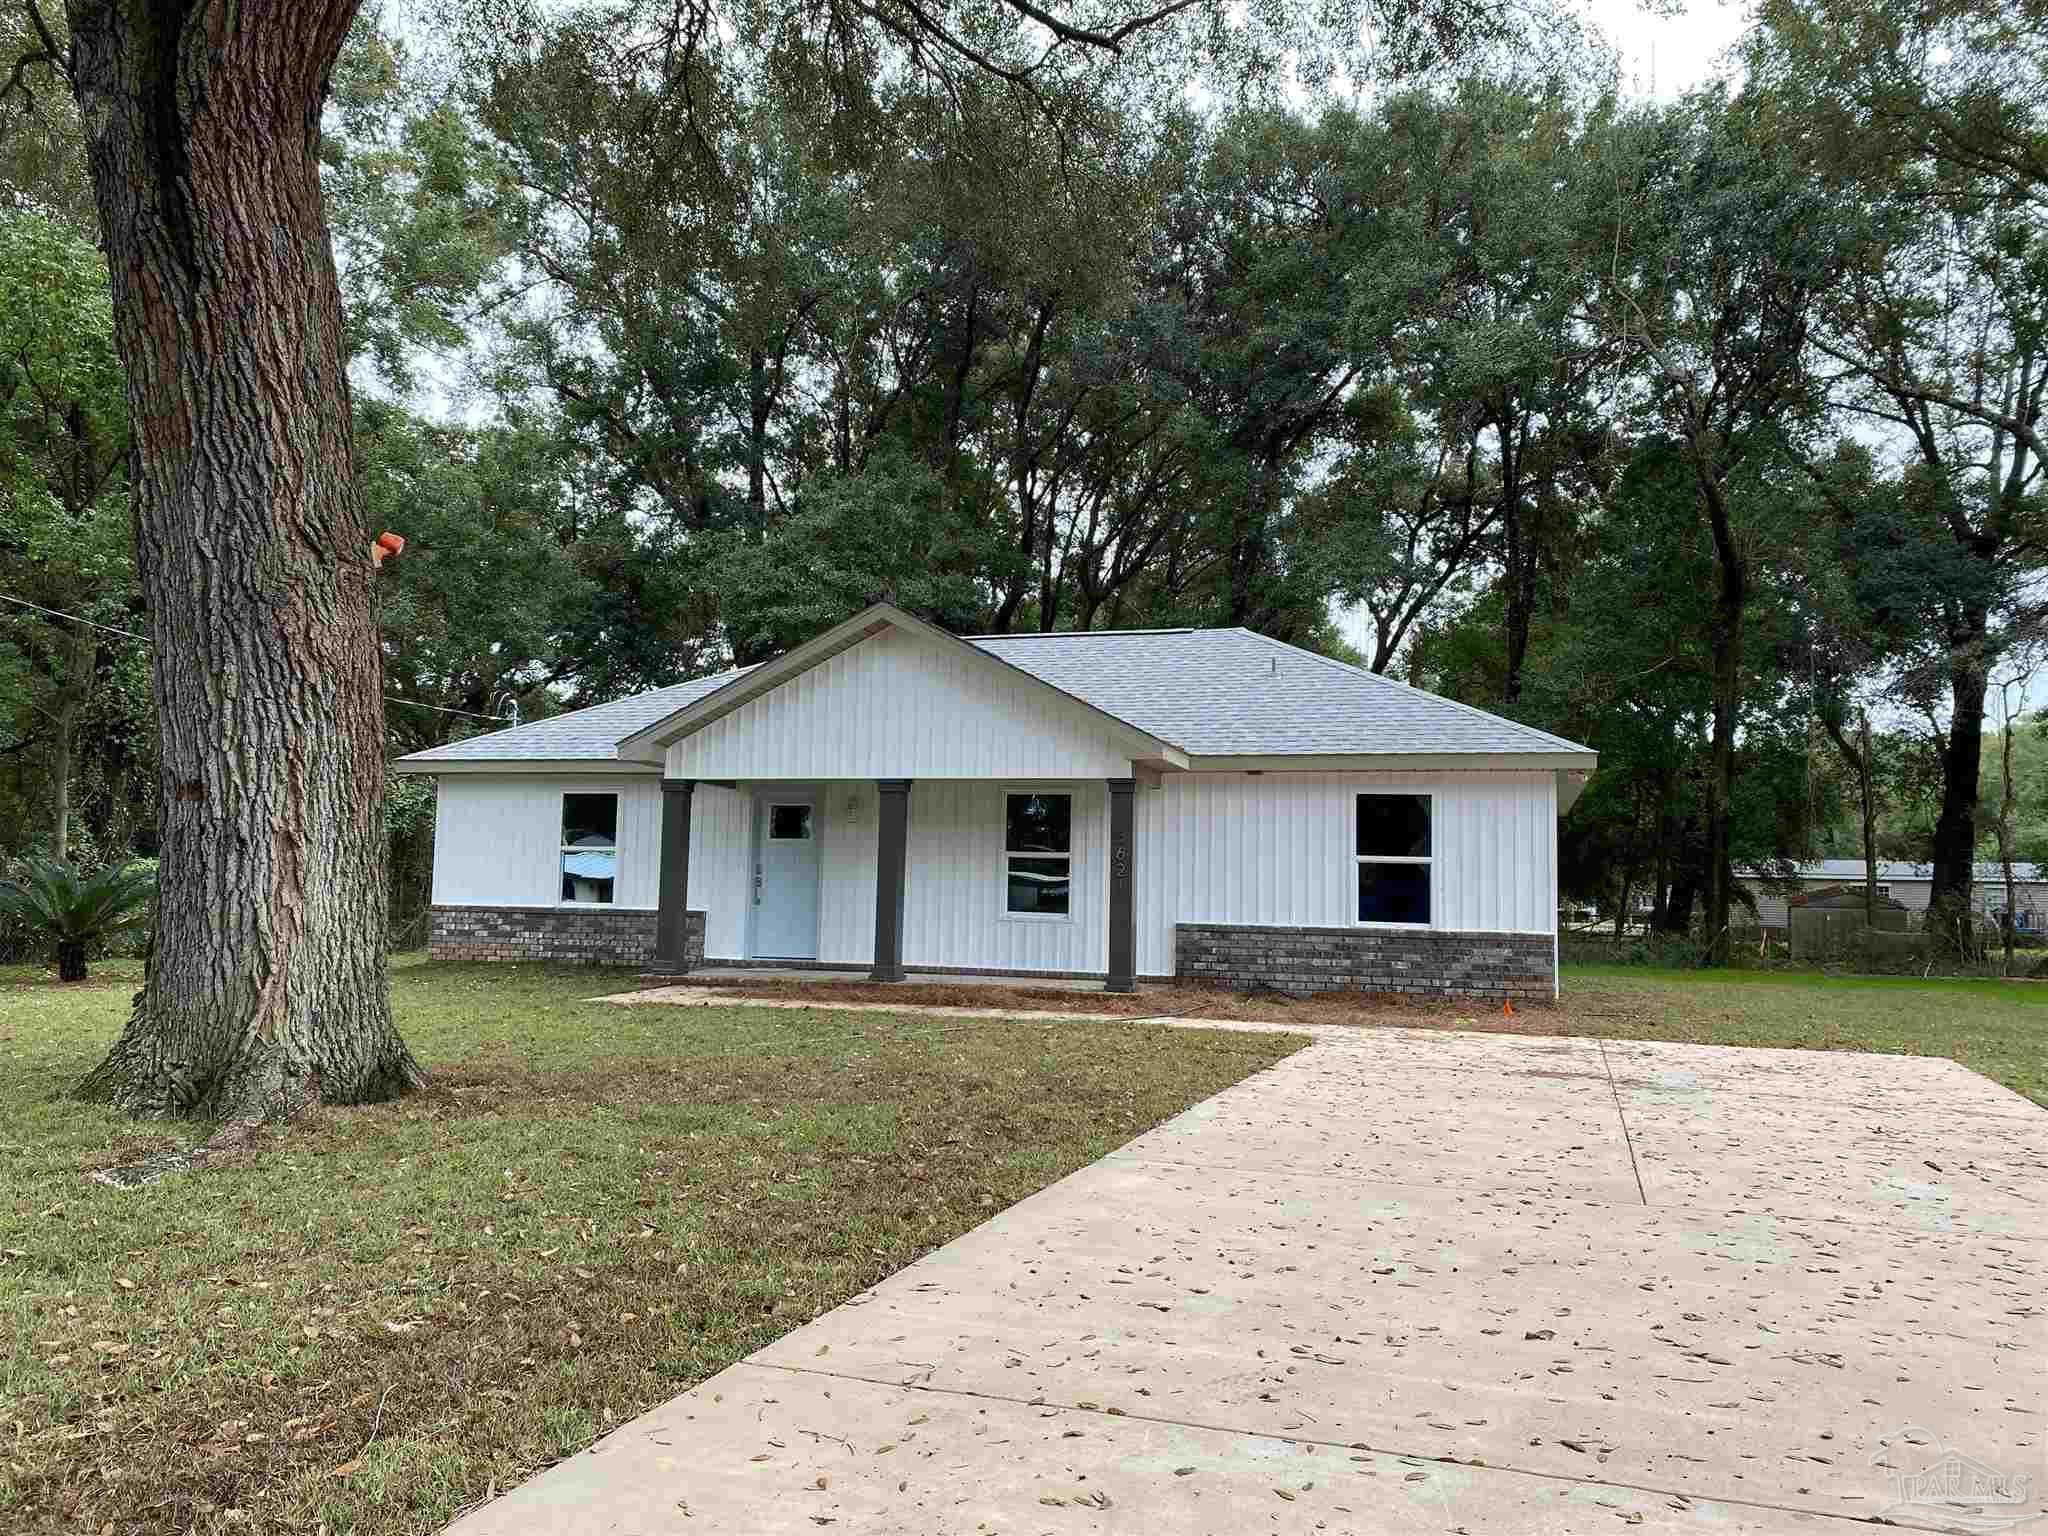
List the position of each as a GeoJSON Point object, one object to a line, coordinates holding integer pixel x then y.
{"type": "Point", "coordinates": [1911, 886]}
{"type": "Point", "coordinates": [1114, 804]}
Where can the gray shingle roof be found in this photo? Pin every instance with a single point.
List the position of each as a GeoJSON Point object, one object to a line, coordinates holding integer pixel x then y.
{"type": "Point", "coordinates": [1231, 693]}
{"type": "Point", "coordinates": [1210, 692]}
{"type": "Point", "coordinates": [580, 735]}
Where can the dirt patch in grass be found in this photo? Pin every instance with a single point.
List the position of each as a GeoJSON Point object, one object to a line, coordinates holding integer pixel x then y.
{"type": "Point", "coordinates": [385, 1314]}
{"type": "Point", "coordinates": [1384, 1009]}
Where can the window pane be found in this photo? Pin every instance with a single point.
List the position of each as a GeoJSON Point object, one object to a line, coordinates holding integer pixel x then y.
{"type": "Point", "coordinates": [1040, 824]}
{"type": "Point", "coordinates": [789, 823]}
{"type": "Point", "coordinates": [590, 821]}
{"type": "Point", "coordinates": [1393, 826]}
{"type": "Point", "coordinates": [1393, 893]}
{"type": "Point", "coordinates": [1039, 885]}
{"type": "Point", "coordinates": [588, 873]}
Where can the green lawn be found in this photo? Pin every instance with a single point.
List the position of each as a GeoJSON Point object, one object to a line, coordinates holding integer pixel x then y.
{"type": "Point", "coordinates": [379, 1318]}
{"type": "Point", "coordinates": [1999, 1028]}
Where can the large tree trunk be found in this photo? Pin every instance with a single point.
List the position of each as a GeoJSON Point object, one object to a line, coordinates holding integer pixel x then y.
{"type": "Point", "coordinates": [2008, 817]}
{"type": "Point", "coordinates": [1519, 577]}
{"type": "Point", "coordinates": [1962, 764]}
{"type": "Point", "coordinates": [1730, 600]}
{"type": "Point", "coordinates": [265, 989]}
{"type": "Point", "coordinates": [1866, 795]}
{"type": "Point", "coordinates": [63, 725]}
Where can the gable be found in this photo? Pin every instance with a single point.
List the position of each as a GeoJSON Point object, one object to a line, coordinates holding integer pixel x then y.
{"type": "Point", "coordinates": [897, 704]}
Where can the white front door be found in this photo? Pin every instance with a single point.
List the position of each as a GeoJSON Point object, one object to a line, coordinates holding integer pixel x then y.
{"type": "Point", "coordinates": [786, 880]}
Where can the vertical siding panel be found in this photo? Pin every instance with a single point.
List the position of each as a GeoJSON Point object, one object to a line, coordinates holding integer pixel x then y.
{"type": "Point", "coordinates": [718, 867]}
{"type": "Point", "coordinates": [1477, 820]}
{"type": "Point", "coordinates": [1532, 865]}
{"type": "Point", "coordinates": [1513, 910]}
{"type": "Point", "coordinates": [1487, 820]}
{"type": "Point", "coordinates": [1528, 863]}
{"type": "Point", "coordinates": [1226, 829]}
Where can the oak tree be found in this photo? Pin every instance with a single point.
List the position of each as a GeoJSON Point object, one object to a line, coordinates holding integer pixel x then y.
{"type": "Point", "coordinates": [265, 988]}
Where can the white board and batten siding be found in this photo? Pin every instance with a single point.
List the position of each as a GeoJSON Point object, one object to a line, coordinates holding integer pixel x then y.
{"type": "Point", "coordinates": [1280, 848]}
{"type": "Point", "coordinates": [498, 841]}
{"type": "Point", "coordinates": [899, 706]}
{"type": "Point", "coordinates": [1273, 848]}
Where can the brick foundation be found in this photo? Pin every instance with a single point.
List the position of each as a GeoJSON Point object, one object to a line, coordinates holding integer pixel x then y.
{"type": "Point", "coordinates": [572, 935]}
{"type": "Point", "coordinates": [1422, 964]}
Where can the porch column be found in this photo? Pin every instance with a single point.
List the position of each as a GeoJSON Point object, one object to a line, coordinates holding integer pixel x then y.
{"type": "Point", "coordinates": [672, 912]}
{"type": "Point", "coordinates": [1123, 925]}
{"type": "Point", "coordinates": [892, 841]}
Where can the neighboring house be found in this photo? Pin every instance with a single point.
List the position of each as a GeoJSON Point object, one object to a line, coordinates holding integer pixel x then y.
{"type": "Point", "coordinates": [1911, 886]}
{"type": "Point", "coordinates": [1196, 803]}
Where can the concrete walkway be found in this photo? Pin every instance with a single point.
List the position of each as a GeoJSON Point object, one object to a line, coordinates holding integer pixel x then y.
{"type": "Point", "coordinates": [744, 974]}
{"type": "Point", "coordinates": [1424, 1282]}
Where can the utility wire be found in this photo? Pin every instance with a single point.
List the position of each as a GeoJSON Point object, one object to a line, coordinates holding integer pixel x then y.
{"type": "Point", "coordinates": [22, 602]}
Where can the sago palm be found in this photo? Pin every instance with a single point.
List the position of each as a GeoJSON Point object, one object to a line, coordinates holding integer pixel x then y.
{"type": "Point", "coordinates": [75, 909]}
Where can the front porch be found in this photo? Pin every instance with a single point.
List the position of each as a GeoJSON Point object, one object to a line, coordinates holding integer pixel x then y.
{"type": "Point", "coordinates": [888, 878]}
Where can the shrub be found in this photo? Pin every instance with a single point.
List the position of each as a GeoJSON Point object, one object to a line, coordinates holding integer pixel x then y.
{"type": "Point", "coordinates": [73, 911]}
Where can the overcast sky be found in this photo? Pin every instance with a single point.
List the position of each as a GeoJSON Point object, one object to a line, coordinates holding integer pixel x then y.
{"type": "Point", "coordinates": [1664, 55]}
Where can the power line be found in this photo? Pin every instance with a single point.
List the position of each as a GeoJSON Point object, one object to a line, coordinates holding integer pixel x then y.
{"type": "Point", "coordinates": [22, 602]}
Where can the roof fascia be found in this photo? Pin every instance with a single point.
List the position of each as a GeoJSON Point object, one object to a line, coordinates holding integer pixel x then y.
{"type": "Point", "coordinates": [1398, 762]}
{"type": "Point", "coordinates": [554, 767]}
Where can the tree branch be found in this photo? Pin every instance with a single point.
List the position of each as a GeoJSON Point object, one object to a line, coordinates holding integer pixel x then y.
{"type": "Point", "coordinates": [1113, 41]}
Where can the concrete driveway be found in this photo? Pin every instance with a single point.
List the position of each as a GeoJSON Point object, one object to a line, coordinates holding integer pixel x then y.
{"type": "Point", "coordinates": [1410, 1281]}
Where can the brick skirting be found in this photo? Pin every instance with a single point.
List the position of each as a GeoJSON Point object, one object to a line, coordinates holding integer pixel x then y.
{"type": "Point", "coordinates": [576, 935]}
{"type": "Point", "coordinates": [1425, 963]}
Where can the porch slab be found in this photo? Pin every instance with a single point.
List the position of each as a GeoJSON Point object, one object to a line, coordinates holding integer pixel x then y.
{"type": "Point", "coordinates": [1423, 1281]}
{"type": "Point", "coordinates": [742, 974]}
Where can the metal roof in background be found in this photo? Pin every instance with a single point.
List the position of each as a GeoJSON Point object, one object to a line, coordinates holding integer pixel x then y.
{"type": "Point", "coordinates": [1900, 870]}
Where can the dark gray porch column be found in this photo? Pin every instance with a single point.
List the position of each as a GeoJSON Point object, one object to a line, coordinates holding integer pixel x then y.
{"type": "Point", "coordinates": [892, 841]}
{"type": "Point", "coordinates": [1123, 925]}
{"type": "Point", "coordinates": [672, 913]}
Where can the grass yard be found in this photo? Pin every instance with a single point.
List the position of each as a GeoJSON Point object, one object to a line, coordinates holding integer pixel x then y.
{"type": "Point", "coordinates": [1998, 1028]}
{"type": "Point", "coordinates": [387, 1314]}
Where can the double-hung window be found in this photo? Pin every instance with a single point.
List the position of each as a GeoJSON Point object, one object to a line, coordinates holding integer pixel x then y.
{"type": "Point", "coordinates": [1393, 859]}
{"type": "Point", "coordinates": [1038, 854]}
{"type": "Point", "coordinates": [590, 848]}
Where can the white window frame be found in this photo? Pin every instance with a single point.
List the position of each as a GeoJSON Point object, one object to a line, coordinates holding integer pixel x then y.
{"type": "Point", "coordinates": [1884, 891]}
{"type": "Point", "coordinates": [1428, 859]}
{"type": "Point", "coordinates": [618, 795]}
{"type": "Point", "coordinates": [1003, 912]}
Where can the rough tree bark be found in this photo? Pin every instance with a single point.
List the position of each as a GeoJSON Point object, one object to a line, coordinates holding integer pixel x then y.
{"type": "Point", "coordinates": [265, 989]}
{"type": "Point", "coordinates": [1962, 767]}
{"type": "Point", "coordinates": [1731, 599]}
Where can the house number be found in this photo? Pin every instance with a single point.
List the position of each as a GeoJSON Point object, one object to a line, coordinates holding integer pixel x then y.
{"type": "Point", "coordinates": [1120, 860]}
